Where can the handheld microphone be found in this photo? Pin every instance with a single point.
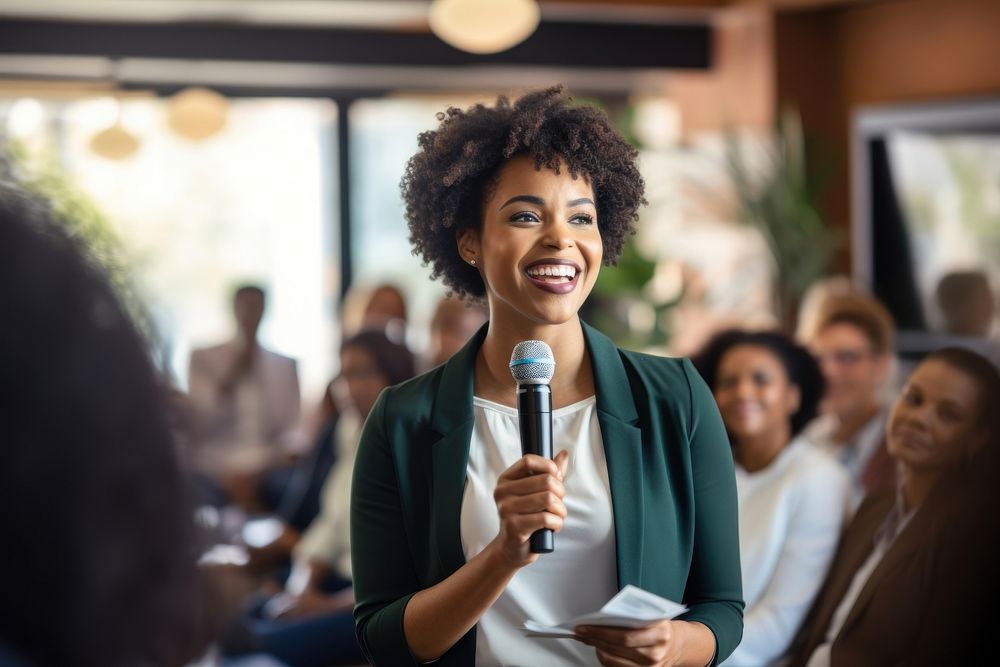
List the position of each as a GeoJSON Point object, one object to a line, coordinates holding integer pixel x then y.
{"type": "Point", "coordinates": [532, 365]}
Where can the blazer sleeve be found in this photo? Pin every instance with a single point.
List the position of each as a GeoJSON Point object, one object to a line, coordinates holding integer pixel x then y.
{"type": "Point", "coordinates": [714, 592]}
{"type": "Point", "coordinates": [384, 575]}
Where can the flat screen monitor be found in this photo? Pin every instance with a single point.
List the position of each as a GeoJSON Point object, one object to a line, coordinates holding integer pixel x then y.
{"type": "Point", "coordinates": [926, 206]}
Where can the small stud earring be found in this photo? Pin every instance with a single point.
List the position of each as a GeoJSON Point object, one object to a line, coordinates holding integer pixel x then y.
{"type": "Point", "coordinates": [472, 262]}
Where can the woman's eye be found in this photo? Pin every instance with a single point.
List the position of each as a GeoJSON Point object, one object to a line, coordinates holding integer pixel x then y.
{"type": "Point", "coordinates": [582, 219]}
{"type": "Point", "coordinates": [948, 416]}
{"type": "Point", "coordinates": [524, 216]}
{"type": "Point", "coordinates": [727, 383]}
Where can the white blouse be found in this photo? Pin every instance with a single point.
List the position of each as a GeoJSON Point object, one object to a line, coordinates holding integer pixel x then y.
{"type": "Point", "coordinates": [580, 575]}
{"type": "Point", "coordinates": [790, 516]}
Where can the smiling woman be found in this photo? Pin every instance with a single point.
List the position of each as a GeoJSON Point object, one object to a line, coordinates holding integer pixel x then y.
{"type": "Point", "coordinates": [792, 498]}
{"type": "Point", "coordinates": [520, 204]}
{"type": "Point", "coordinates": [914, 579]}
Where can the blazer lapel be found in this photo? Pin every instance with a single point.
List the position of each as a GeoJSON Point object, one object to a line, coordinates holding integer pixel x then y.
{"type": "Point", "coordinates": [617, 416]}
{"type": "Point", "coordinates": [911, 539]}
{"type": "Point", "coordinates": [855, 549]}
{"type": "Point", "coordinates": [453, 420]}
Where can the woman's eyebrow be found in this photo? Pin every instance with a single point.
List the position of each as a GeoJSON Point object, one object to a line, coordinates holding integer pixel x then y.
{"type": "Point", "coordinates": [537, 201]}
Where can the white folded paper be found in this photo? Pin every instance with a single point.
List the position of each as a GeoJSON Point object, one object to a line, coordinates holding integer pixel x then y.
{"type": "Point", "coordinates": [632, 607]}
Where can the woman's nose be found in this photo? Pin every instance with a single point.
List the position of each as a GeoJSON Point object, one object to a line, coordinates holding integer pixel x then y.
{"type": "Point", "coordinates": [917, 415]}
{"type": "Point", "coordinates": [741, 389]}
{"type": "Point", "coordinates": [558, 235]}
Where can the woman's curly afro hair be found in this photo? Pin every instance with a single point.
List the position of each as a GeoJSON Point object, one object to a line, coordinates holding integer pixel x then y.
{"type": "Point", "coordinates": [448, 180]}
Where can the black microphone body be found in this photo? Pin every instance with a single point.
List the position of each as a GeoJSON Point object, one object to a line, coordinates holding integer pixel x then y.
{"type": "Point", "coordinates": [534, 411]}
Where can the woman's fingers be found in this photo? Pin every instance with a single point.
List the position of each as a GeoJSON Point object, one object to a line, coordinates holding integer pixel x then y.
{"type": "Point", "coordinates": [562, 463]}
{"type": "Point", "coordinates": [645, 646]}
{"type": "Point", "coordinates": [651, 635]}
{"type": "Point", "coordinates": [527, 486]}
{"type": "Point", "coordinates": [543, 501]}
{"type": "Point", "coordinates": [531, 464]}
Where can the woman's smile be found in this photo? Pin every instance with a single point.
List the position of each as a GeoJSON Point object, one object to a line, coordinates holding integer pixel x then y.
{"type": "Point", "coordinates": [558, 276]}
{"type": "Point", "coordinates": [910, 437]}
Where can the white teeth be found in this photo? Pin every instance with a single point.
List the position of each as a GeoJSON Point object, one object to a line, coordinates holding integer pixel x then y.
{"type": "Point", "coordinates": [553, 270]}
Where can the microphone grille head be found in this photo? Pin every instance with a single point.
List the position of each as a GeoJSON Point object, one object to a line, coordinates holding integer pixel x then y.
{"type": "Point", "coordinates": [532, 362]}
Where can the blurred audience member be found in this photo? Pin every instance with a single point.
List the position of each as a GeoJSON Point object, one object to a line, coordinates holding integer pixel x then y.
{"type": "Point", "coordinates": [246, 399]}
{"type": "Point", "coordinates": [792, 498]}
{"type": "Point", "coordinates": [854, 342]}
{"type": "Point", "coordinates": [453, 324]}
{"type": "Point", "coordinates": [311, 623]}
{"type": "Point", "coordinates": [98, 566]}
{"type": "Point", "coordinates": [381, 307]}
{"type": "Point", "coordinates": [967, 303]}
{"type": "Point", "coordinates": [914, 582]}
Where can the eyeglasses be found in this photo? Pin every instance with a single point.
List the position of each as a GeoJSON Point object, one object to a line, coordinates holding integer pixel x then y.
{"type": "Point", "coordinates": [844, 356]}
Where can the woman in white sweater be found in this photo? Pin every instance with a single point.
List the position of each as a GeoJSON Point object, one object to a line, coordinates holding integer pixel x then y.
{"type": "Point", "coordinates": [793, 499]}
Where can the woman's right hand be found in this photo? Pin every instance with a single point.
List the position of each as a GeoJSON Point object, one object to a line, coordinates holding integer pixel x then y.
{"type": "Point", "coordinates": [529, 496]}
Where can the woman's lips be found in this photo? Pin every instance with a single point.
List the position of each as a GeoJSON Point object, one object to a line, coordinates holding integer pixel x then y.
{"type": "Point", "coordinates": [554, 284]}
{"type": "Point", "coordinates": [909, 437]}
{"type": "Point", "coordinates": [742, 413]}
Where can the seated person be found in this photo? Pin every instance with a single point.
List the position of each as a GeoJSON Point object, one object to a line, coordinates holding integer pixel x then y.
{"type": "Point", "coordinates": [904, 584]}
{"type": "Point", "coordinates": [301, 498]}
{"type": "Point", "coordinates": [792, 498]}
{"type": "Point", "coordinates": [312, 623]}
{"type": "Point", "coordinates": [854, 344]}
{"type": "Point", "coordinates": [245, 399]}
{"type": "Point", "coordinates": [98, 564]}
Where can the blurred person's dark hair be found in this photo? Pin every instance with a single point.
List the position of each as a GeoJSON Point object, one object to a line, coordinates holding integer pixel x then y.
{"type": "Point", "coordinates": [865, 313]}
{"type": "Point", "coordinates": [966, 302]}
{"type": "Point", "coordinates": [801, 368]}
{"type": "Point", "coordinates": [393, 359]}
{"type": "Point", "coordinates": [248, 288]}
{"type": "Point", "coordinates": [98, 563]}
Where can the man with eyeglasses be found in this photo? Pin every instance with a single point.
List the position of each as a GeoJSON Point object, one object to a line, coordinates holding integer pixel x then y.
{"type": "Point", "coordinates": [854, 343]}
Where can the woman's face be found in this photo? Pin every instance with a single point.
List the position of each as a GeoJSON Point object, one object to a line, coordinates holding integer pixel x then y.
{"type": "Point", "coordinates": [539, 250]}
{"type": "Point", "coordinates": [935, 422]}
{"type": "Point", "coordinates": [754, 394]}
{"type": "Point", "coordinates": [362, 377]}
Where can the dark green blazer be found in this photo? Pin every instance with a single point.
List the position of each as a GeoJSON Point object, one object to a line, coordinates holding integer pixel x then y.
{"type": "Point", "coordinates": [672, 487]}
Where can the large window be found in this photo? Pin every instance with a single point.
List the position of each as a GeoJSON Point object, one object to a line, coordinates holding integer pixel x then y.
{"type": "Point", "coordinates": [383, 137]}
{"type": "Point", "coordinates": [253, 203]}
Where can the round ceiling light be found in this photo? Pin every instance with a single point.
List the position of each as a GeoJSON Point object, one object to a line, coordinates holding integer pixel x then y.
{"type": "Point", "coordinates": [114, 143]}
{"type": "Point", "coordinates": [197, 113]}
{"type": "Point", "coordinates": [484, 26]}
